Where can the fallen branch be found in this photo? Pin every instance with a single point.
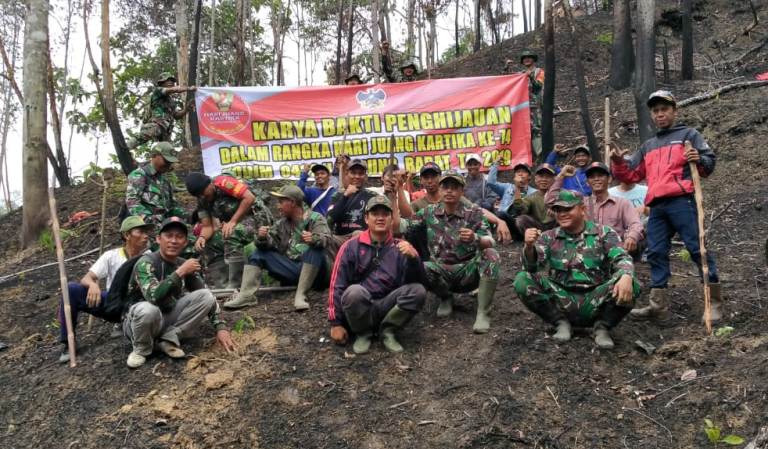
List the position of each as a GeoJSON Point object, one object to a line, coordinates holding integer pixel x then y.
{"type": "Point", "coordinates": [28, 270]}
{"type": "Point", "coordinates": [754, 49]}
{"type": "Point", "coordinates": [721, 90]}
{"type": "Point", "coordinates": [760, 441]}
{"type": "Point", "coordinates": [62, 278]}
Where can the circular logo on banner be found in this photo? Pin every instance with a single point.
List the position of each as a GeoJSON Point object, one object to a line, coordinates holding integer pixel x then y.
{"type": "Point", "coordinates": [224, 113]}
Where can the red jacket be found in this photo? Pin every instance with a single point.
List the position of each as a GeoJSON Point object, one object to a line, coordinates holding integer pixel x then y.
{"type": "Point", "coordinates": [661, 161]}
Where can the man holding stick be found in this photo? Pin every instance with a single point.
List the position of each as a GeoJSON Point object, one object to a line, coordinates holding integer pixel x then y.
{"type": "Point", "coordinates": [664, 162]}
{"type": "Point", "coordinates": [87, 296]}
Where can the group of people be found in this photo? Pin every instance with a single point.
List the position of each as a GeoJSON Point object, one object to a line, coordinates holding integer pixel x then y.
{"type": "Point", "coordinates": [379, 250]}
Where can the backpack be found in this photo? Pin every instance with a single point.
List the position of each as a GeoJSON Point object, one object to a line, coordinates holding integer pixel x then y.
{"type": "Point", "coordinates": [117, 302]}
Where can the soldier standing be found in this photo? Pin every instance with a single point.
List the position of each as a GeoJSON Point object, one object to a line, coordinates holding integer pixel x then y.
{"type": "Point", "coordinates": [462, 257]}
{"type": "Point", "coordinates": [240, 209]}
{"type": "Point", "coordinates": [149, 194]}
{"type": "Point", "coordinates": [590, 279]}
{"type": "Point", "coordinates": [408, 72]}
{"type": "Point", "coordinates": [163, 110]}
{"type": "Point", "coordinates": [535, 74]}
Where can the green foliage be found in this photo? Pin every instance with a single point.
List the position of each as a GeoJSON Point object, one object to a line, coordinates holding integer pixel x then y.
{"type": "Point", "coordinates": [47, 242]}
{"type": "Point", "coordinates": [715, 437]}
{"type": "Point", "coordinates": [605, 38]}
{"type": "Point", "coordinates": [724, 331]}
{"type": "Point", "coordinates": [243, 324]}
{"type": "Point", "coordinates": [466, 40]}
{"type": "Point", "coordinates": [684, 255]}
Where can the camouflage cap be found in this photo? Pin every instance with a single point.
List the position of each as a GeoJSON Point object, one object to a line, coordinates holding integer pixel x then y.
{"type": "Point", "coordinates": [357, 163]}
{"type": "Point", "coordinates": [133, 222]}
{"type": "Point", "coordinates": [528, 54]}
{"type": "Point", "coordinates": [166, 150]}
{"type": "Point", "coordinates": [430, 167]}
{"type": "Point", "coordinates": [454, 175]}
{"type": "Point", "coordinates": [597, 166]}
{"type": "Point", "coordinates": [352, 77]}
{"type": "Point", "coordinates": [378, 201]}
{"type": "Point", "coordinates": [173, 222]}
{"type": "Point", "coordinates": [411, 64]}
{"type": "Point", "coordinates": [568, 199]}
{"type": "Point", "coordinates": [165, 76]}
{"type": "Point", "coordinates": [661, 96]}
{"type": "Point", "coordinates": [291, 192]}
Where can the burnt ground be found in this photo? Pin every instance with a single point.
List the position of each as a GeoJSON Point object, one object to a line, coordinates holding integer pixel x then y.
{"type": "Point", "coordinates": [290, 387]}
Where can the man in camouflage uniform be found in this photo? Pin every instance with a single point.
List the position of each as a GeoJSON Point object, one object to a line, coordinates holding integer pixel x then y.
{"type": "Point", "coordinates": [240, 209]}
{"type": "Point", "coordinates": [462, 257]}
{"type": "Point", "coordinates": [162, 112]}
{"type": "Point", "coordinates": [161, 312]}
{"type": "Point", "coordinates": [535, 88]}
{"type": "Point", "coordinates": [149, 194]}
{"type": "Point", "coordinates": [589, 280]}
{"type": "Point", "coordinates": [408, 72]}
{"type": "Point", "coordinates": [293, 251]}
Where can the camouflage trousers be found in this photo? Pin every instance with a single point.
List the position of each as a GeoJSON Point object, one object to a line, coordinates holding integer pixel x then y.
{"type": "Point", "coordinates": [552, 302]}
{"type": "Point", "coordinates": [243, 235]}
{"type": "Point", "coordinates": [465, 277]}
{"type": "Point", "coordinates": [536, 131]}
{"type": "Point", "coordinates": [150, 132]}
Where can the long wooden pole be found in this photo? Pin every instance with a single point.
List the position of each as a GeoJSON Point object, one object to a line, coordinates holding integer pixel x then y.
{"type": "Point", "coordinates": [342, 152]}
{"type": "Point", "coordinates": [607, 151]}
{"type": "Point", "coordinates": [62, 277]}
{"type": "Point", "coordinates": [702, 249]}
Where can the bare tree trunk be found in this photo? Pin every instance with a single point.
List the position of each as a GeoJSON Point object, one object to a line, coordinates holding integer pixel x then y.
{"type": "Point", "coordinates": [385, 31]}
{"type": "Point", "coordinates": [478, 28]}
{"type": "Point", "coordinates": [58, 161]}
{"type": "Point", "coordinates": [194, 132]}
{"type": "Point", "coordinates": [550, 70]}
{"type": "Point", "coordinates": [645, 66]}
{"type": "Point", "coordinates": [583, 101]}
{"type": "Point", "coordinates": [182, 58]}
{"type": "Point", "coordinates": [238, 70]}
{"type": "Point", "coordinates": [525, 17]}
{"type": "Point", "coordinates": [339, 28]}
{"type": "Point", "coordinates": [537, 18]}
{"type": "Point", "coordinates": [622, 53]}
{"type": "Point", "coordinates": [35, 165]}
{"type": "Point", "coordinates": [494, 27]}
{"type": "Point", "coordinates": [375, 53]}
{"type": "Point", "coordinates": [410, 40]}
{"type": "Point", "coordinates": [212, 56]}
{"type": "Point", "coordinates": [106, 90]}
{"type": "Point", "coordinates": [350, 37]}
{"type": "Point", "coordinates": [686, 63]}
{"type": "Point", "coordinates": [456, 31]}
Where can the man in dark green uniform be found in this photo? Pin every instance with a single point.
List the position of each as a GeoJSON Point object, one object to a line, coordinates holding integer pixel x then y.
{"type": "Point", "coordinates": [162, 112]}
{"type": "Point", "coordinates": [149, 193]}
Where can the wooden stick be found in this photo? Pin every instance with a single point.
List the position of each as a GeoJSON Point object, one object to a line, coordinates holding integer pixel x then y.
{"type": "Point", "coordinates": [62, 277]}
{"type": "Point", "coordinates": [392, 158]}
{"type": "Point", "coordinates": [343, 152]}
{"type": "Point", "coordinates": [702, 249]}
{"type": "Point", "coordinates": [29, 270]}
{"type": "Point", "coordinates": [607, 155]}
{"type": "Point", "coordinates": [105, 183]}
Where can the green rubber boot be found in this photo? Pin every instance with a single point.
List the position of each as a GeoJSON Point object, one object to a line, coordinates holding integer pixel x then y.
{"type": "Point", "coordinates": [484, 299]}
{"type": "Point", "coordinates": [306, 279]}
{"type": "Point", "coordinates": [445, 309]}
{"type": "Point", "coordinates": [248, 287]}
{"type": "Point", "coordinates": [235, 267]}
{"type": "Point", "coordinates": [395, 319]}
{"type": "Point", "coordinates": [362, 343]}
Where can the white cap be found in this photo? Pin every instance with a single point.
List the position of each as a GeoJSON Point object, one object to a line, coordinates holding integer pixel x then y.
{"type": "Point", "coordinates": [473, 157]}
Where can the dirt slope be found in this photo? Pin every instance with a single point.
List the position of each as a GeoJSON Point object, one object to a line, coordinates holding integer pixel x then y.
{"type": "Point", "coordinates": [289, 387]}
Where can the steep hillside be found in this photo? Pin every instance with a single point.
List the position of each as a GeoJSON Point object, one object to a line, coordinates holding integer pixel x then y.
{"type": "Point", "coordinates": [289, 387]}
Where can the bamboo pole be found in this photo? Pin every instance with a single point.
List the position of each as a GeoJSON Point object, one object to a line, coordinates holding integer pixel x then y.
{"type": "Point", "coordinates": [607, 151]}
{"type": "Point", "coordinates": [62, 277]}
{"type": "Point", "coordinates": [343, 151]}
{"type": "Point", "coordinates": [702, 249]}
{"type": "Point", "coordinates": [105, 183]}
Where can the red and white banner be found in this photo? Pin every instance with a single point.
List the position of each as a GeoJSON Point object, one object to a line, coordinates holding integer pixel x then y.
{"type": "Point", "coordinates": [271, 132]}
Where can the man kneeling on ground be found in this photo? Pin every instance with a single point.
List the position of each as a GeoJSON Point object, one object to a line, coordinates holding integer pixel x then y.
{"type": "Point", "coordinates": [162, 312]}
{"type": "Point", "coordinates": [293, 251]}
{"type": "Point", "coordinates": [87, 296]}
{"type": "Point", "coordinates": [376, 286]}
{"type": "Point", "coordinates": [590, 279]}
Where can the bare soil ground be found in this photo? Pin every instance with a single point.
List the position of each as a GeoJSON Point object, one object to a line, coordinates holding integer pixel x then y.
{"type": "Point", "coordinates": [514, 387]}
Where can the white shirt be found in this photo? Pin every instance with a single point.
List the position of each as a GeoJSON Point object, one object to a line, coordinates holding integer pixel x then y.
{"type": "Point", "coordinates": [106, 266]}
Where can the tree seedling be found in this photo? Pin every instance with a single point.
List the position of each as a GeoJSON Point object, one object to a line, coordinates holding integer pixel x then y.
{"type": "Point", "coordinates": [244, 323]}
{"type": "Point", "coordinates": [715, 437]}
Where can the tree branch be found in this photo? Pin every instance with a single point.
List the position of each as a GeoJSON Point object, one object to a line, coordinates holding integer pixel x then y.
{"type": "Point", "coordinates": [721, 90]}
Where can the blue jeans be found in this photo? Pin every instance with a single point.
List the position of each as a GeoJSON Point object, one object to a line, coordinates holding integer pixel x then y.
{"type": "Point", "coordinates": [285, 270]}
{"type": "Point", "coordinates": [77, 303]}
{"type": "Point", "coordinates": [670, 215]}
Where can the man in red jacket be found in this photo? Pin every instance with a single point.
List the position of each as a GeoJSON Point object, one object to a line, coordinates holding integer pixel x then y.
{"type": "Point", "coordinates": [664, 162]}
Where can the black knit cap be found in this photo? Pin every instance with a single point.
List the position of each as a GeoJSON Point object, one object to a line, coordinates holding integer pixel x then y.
{"type": "Point", "coordinates": [196, 183]}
